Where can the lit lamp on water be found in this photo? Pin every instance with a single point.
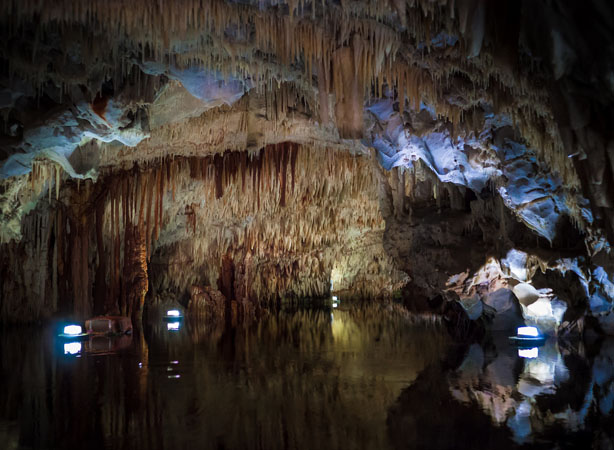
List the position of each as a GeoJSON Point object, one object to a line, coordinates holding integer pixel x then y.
{"type": "Point", "coordinates": [528, 337]}
{"type": "Point", "coordinates": [72, 332]}
{"type": "Point", "coordinates": [173, 315]}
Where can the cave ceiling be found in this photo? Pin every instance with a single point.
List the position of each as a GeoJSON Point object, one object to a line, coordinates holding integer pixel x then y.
{"type": "Point", "coordinates": [308, 137]}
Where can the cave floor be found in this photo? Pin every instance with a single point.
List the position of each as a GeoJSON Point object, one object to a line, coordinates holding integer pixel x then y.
{"type": "Point", "coordinates": [357, 376]}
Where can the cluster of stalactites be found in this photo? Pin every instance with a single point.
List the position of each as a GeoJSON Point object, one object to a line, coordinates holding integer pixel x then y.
{"type": "Point", "coordinates": [234, 39]}
{"type": "Point", "coordinates": [355, 50]}
{"type": "Point", "coordinates": [219, 35]}
{"type": "Point", "coordinates": [45, 176]}
{"type": "Point", "coordinates": [283, 206]}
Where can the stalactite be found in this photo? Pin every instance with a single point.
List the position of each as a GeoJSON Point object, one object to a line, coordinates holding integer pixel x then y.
{"type": "Point", "coordinates": [102, 303]}
{"type": "Point", "coordinates": [219, 165]}
{"type": "Point", "coordinates": [117, 242]}
{"type": "Point", "coordinates": [149, 184]}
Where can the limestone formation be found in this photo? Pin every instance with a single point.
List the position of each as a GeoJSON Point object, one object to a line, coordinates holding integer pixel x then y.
{"type": "Point", "coordinates": [273, 150]}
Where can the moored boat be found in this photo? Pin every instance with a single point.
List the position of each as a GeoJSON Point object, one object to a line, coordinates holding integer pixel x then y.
{"type": "Point", "coordinates": [108, 325]}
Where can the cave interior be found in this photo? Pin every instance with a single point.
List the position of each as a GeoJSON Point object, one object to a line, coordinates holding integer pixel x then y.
{"type": "Point", "coordinates": [228, 158]}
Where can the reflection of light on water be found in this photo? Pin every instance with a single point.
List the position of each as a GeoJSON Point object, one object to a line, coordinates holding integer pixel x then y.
{"type": "Point", "coordinates": [173, 326]}
{"type": "Point", "coordinates": [540, 376]}
{"type": "Point", "coordinates": [528, 352]}
{"type": "Point", "coordinates": [520, 422]}
{"type": "Point", "coordinates": [72, 348]}
{"type": "Point", "coordinates": [542, 371]}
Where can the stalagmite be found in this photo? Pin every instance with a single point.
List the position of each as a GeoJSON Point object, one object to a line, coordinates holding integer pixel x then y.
{"type": "Point", "coordinates": [173, 131]}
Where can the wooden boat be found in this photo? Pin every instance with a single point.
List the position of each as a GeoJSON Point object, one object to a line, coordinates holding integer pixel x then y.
{"type": "Point", "coordinates": [108, 325]}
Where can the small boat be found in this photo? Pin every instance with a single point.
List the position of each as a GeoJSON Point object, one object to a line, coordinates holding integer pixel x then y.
{"type": "Point", "coordinates": [173, 315]}
{"type": "Point", "coordinates": [108, 325]}
{"type": "Point", "coordinates": [528, 337]}
{"type": "Point", "coordinates": [73, 332]}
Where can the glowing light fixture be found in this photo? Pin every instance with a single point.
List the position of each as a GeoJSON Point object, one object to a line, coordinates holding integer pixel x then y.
{"type": "Point", "coordinates": [529, 353]}
{"type": "Point", "coordinates": [173, 313]}
{"type": "Point", "coordinates": [173, 326]}
{"type": "Point", "coordinates": [72, 348]}
{"type": "Point", "coordinates": [528, 331]}
{"type": "Point", "coordinates": [72, 330]}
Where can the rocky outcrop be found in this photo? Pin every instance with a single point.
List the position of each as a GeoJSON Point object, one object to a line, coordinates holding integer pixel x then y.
{"type": "Point", "coordinates": [205, 302]}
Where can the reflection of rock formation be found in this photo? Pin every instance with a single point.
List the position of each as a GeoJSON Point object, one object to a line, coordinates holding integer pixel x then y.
{"type": "Point", "coordinates": [292, 379]}
{"type": "Point", "coordinates": [426, 416]}
{"type": "Point", "coordinates": [496, 399]}
{"type": "Point", "coordinates": [550, 388]}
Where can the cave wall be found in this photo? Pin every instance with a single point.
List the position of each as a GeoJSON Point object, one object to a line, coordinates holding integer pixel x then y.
{"type": "Point", "coordinates": [259, 227]}
{"type": "Point", "coordinates": [130, 133]}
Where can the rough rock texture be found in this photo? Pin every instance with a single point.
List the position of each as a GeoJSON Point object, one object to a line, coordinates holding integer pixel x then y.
{"type": "Point", "coordinates": [269, 148]}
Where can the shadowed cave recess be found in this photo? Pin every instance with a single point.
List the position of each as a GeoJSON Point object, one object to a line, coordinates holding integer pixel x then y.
{"type": "Point", "coordinates": [232, 156]}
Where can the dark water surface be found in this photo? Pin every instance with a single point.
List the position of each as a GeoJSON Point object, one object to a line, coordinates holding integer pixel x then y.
{"type": "Point", "coordinates": [361, 377]}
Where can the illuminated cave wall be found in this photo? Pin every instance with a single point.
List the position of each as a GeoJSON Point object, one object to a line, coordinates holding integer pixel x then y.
{"type": "Point", "coordinates": [262, 226]}
{"type": "Point", "coordinates": [449, 147]}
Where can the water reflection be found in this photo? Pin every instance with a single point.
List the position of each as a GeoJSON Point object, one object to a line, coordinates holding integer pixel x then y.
{"type": "Point", "coordinates": [291, 380]}
{"type": "Point", "coordinates": [364, 378]}
{"type": "Point", "coordinates": [72, 348]}
{"type": "Point", "coordinates": [499, 397]}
